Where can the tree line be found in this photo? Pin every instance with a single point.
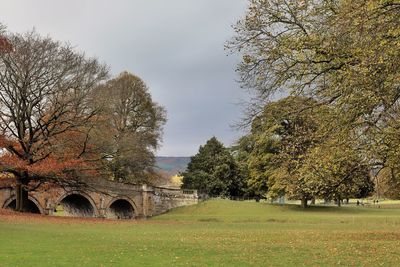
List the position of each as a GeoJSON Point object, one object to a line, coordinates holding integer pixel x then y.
{"type": "Point", "coordinates": [335, 66]}
{"type": "Point", "coordinates": [63, 117]}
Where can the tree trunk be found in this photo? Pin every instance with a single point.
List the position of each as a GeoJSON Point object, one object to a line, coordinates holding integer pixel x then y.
{"type": "Point", "coordinates": [304, 202]}
{"type": "Point", "coordinates": [313, 201]}
{"type": "Point", "coordinates": [21, 194]}
{"type": "Point", "coordinates": [339, 202]}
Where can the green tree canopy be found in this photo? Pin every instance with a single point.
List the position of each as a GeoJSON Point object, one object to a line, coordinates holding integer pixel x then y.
{"type": "Point", "coordinates": [342, 52]}
{"type": "Point", "coordinates": [213, 170]}
{"type": "Point", "coordinates": [295, 153]}
{"type": "Point", "coordinates": [282, 136]}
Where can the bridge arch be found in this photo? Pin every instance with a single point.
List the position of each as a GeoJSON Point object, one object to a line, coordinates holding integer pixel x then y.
{"type": "Point", "coordinates": [121, 208]}
{"type": "Point", "coordinates": [77, 204]}
{"type": "Point", "coordinates": [33, 205]}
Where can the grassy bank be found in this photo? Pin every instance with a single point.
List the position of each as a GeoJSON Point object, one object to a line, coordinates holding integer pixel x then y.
{"type": "Point", "coordinates": [213, 233]}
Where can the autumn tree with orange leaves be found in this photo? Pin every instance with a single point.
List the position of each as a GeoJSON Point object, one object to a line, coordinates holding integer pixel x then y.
{"type": "Point", "coordinates": [45, 111]}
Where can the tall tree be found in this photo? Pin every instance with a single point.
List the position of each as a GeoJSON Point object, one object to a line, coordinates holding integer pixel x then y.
{"type": "Point", "coordinates": [283, 135]}
{"type": "Point", "coordinates": [214, 171]}
{"type": "Point", "coordinates": [343, 53]}
{"type": "Point", "coordinates": [296, 153]}
{"type": "Point", "coordinates": [131, 127]}
{"type": "Point", "coordinates": [45, 89]}
{"type": "Point", "coordinates": [321, 47]}
{"type": "Point", "coordinates": [335, 170]}
{"type": "Point", "coordinates": [241, 151]}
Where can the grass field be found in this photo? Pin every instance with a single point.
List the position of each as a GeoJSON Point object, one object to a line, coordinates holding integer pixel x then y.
{"type": "Point", "coordinates": [212, 233]}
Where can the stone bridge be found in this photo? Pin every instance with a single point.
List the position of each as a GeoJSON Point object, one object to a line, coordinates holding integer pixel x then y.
{"type": "Point", "coordinates": [102, 199]}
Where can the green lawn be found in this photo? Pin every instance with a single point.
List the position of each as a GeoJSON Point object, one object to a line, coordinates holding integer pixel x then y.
{"type": "Point", "coordinates": [213, 233]}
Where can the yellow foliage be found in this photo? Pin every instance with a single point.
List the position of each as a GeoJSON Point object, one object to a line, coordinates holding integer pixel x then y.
{"type": "Point", "coordinates": [176, 180]}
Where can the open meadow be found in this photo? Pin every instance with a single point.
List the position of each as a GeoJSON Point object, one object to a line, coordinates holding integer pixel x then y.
{"type": "Point", "coordinates": [212, 233]}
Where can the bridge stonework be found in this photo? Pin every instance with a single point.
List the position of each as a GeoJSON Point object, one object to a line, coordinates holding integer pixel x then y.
{"type": "Point", "coordinates": [105, 199]}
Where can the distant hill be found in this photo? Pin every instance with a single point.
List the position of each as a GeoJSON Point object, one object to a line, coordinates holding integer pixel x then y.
{"type": "Point", "coordinates": [171, 166]}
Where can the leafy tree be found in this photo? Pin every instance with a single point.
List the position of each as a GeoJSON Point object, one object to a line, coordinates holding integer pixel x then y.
{"type": "Point", "coordinates": [45, 88]}
{"type": "Point", "coordinates": [176, 180]}
{"type": "Point", "coordinates": [282, 136]}
{"type": "Point", "coordinates": [130, 129]}
{"type": "Point", "coordinates": [255, 188]}
{"type": "Point", "coordinates": [295, 153]}
{"type": "Point", "coordinates": [322, 47]}
{"type": "Point", "coordinates": [342, 52]}
{"type": "Point", "coordinates": [384, 150]}
{"type": "Point", "coordinates": [336, 170]}
{"type": "Point", "coordinates": [213, 170]}
{"type": "Point", "coordinates": [387, 183]}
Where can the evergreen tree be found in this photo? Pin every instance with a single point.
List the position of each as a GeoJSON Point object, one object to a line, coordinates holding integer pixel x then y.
{"type": "Point", "coordinates": [213, 170]}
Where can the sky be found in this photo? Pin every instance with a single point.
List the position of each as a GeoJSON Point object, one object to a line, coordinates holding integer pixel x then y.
{"type": "Point", "coordinates": [175, 46]}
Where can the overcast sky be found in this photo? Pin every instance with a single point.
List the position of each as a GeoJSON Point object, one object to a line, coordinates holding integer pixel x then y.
{"type": "Point", "coordinates": [175, 46]}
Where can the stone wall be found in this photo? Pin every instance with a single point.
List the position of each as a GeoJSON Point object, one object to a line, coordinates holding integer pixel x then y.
{"type": "Point", "coordinates": [165, 199]}
{"type": "Point", "coordinates": [103, 199]}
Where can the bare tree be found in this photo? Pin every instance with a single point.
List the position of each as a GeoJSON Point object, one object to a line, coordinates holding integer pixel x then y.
{"type": "Point", "coordinates": [45, 89]}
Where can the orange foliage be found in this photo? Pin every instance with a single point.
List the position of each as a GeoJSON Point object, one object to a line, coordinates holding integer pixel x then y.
{"type": "Point", "coordinates": [5, 45]}
{"type": "Point", "coordinates": [64, 157]}
{"type": "Point", "coordinates": [47, 167]}
{"type": "Point", "coordinates": [4, 142]}
{"type": "Point", "coordinates": [7, 143]}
